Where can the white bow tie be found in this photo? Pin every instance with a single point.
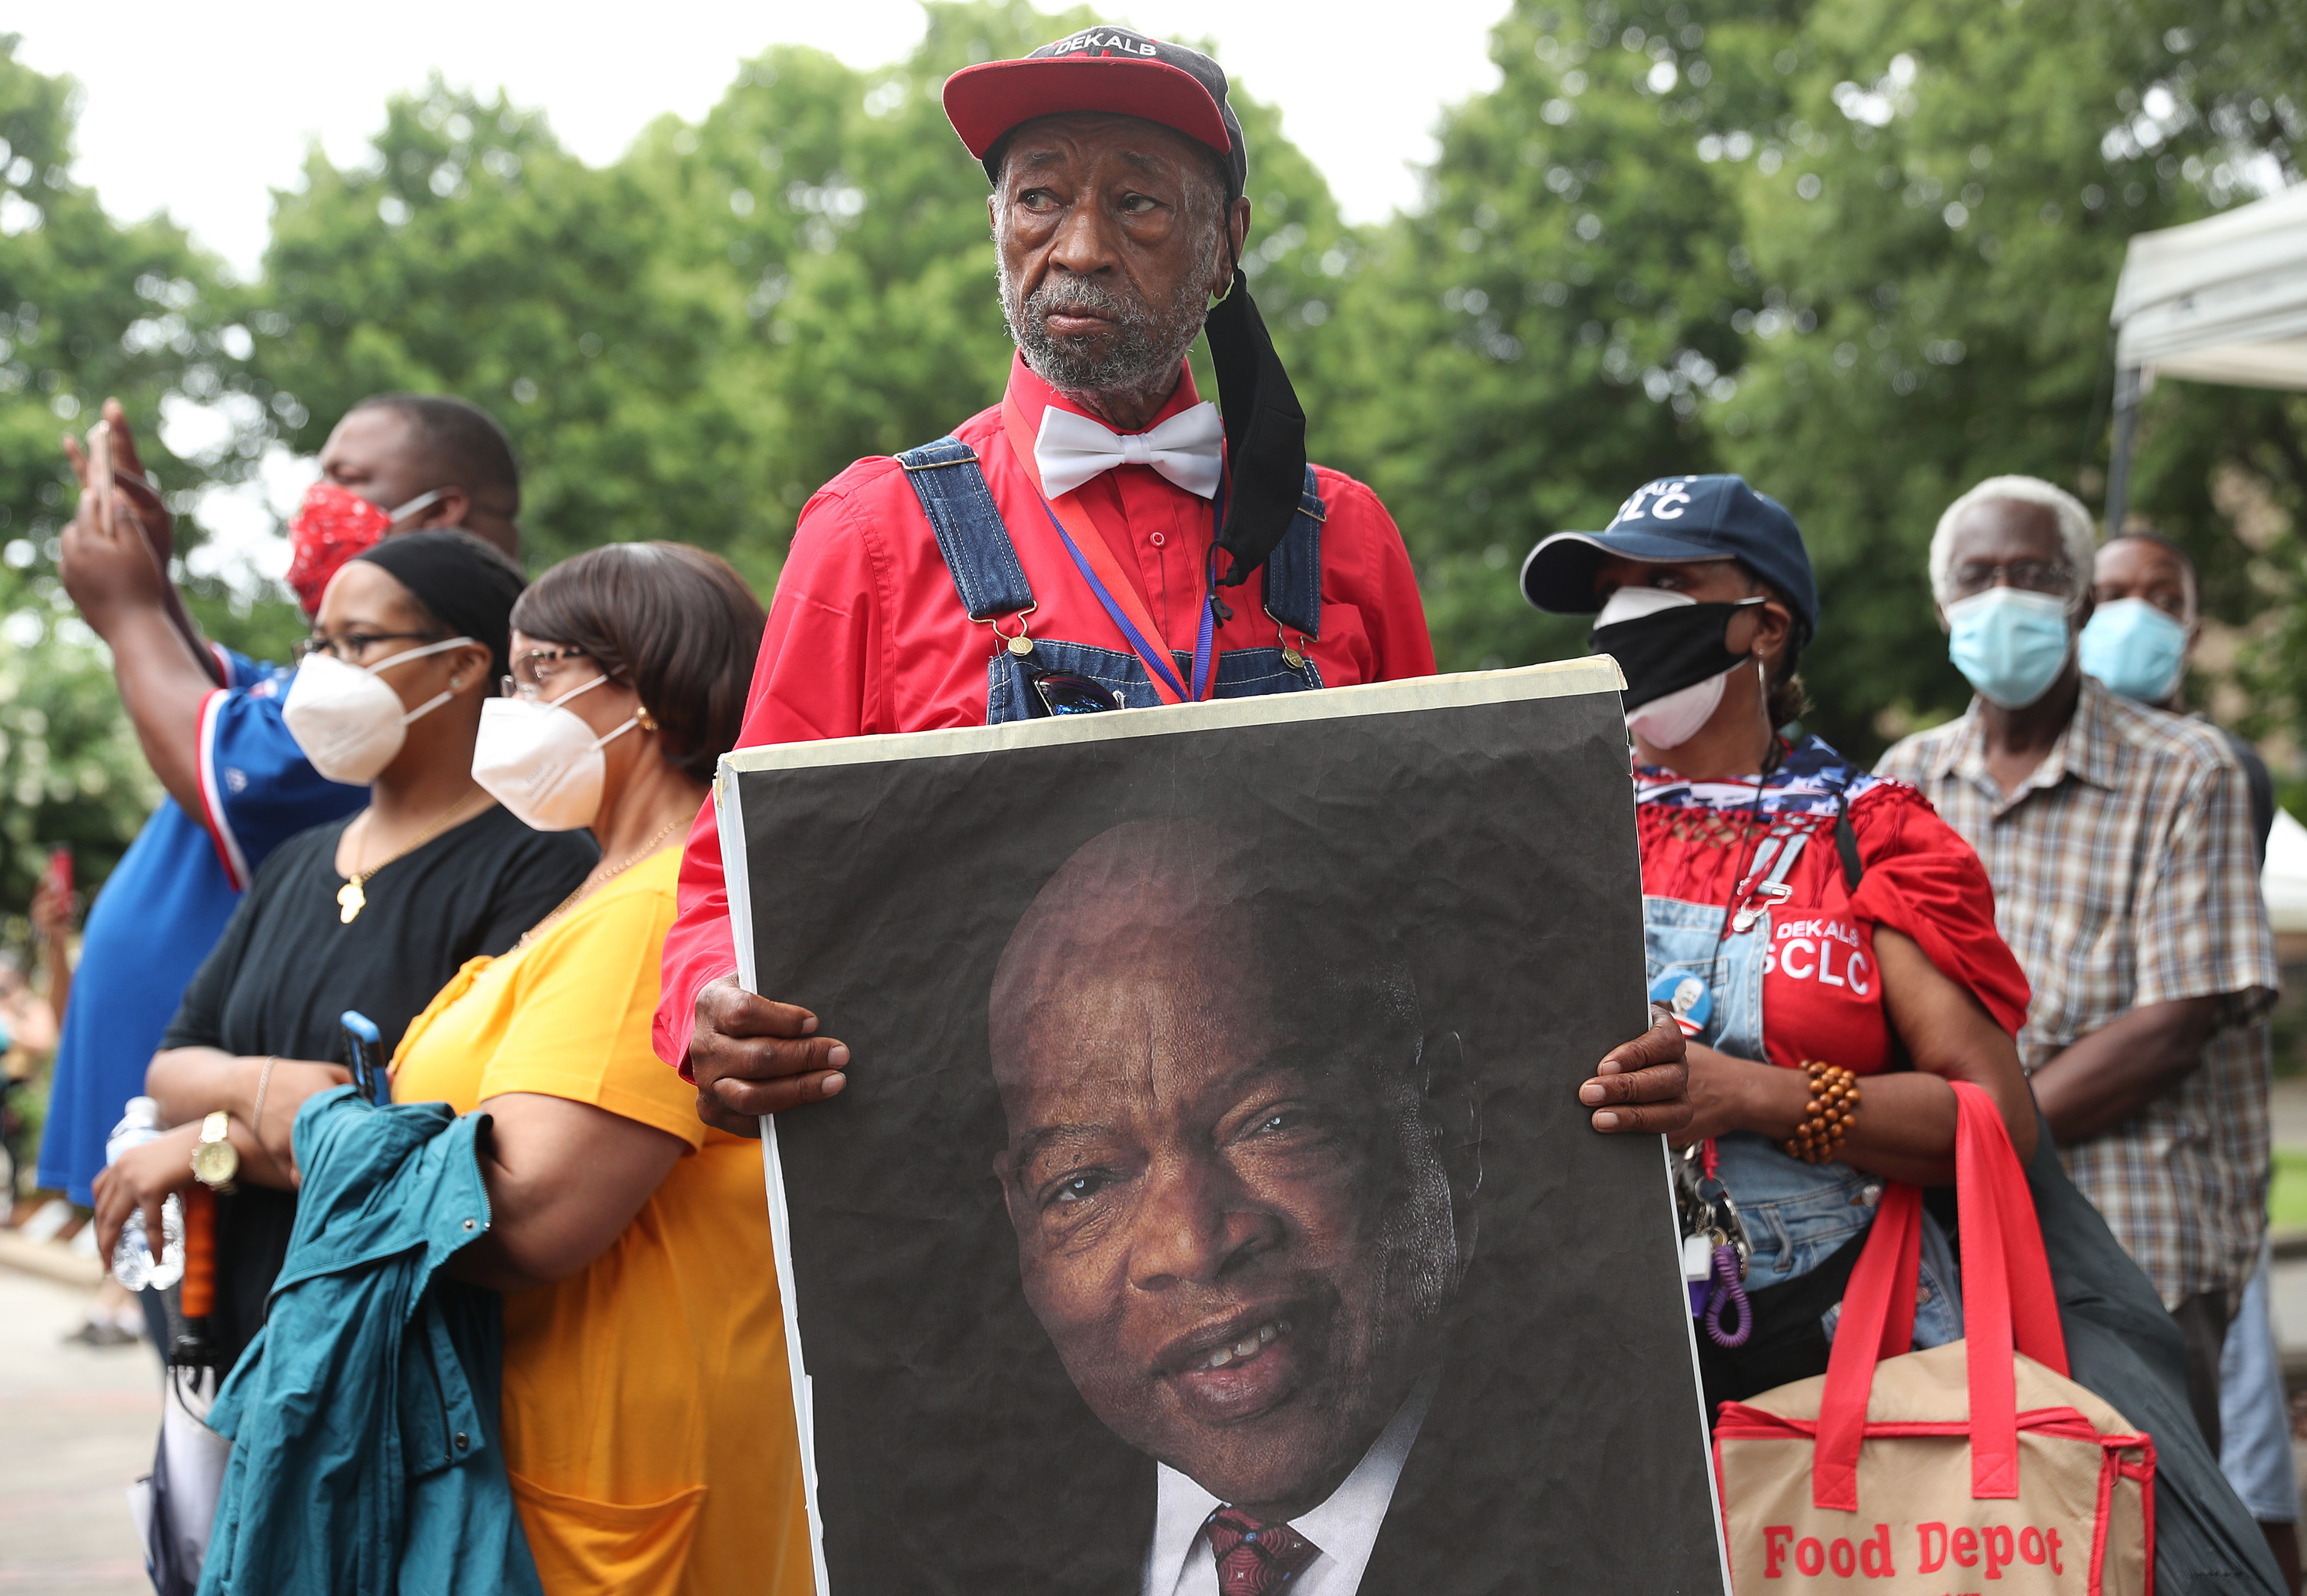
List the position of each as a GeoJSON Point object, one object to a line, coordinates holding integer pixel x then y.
{"type": "Point", "coordinates": [1188, 449]}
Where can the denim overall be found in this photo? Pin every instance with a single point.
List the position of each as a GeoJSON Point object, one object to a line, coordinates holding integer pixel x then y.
{"type": "Point", "coordinates": [1796, 1214]}
{"type": "Point", "coordinates": [983, 563]}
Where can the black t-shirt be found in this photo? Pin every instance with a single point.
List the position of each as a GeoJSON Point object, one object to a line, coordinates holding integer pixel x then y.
{"type": "Point", "coordinates": [2261, 787]}
{"type": "Point", "coordinates": [287, 966]}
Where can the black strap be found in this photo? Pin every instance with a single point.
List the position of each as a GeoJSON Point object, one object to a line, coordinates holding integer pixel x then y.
{"type": "Point", "coordinates": [1846, 842]}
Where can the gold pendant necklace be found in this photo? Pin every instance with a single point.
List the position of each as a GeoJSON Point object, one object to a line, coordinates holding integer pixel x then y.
{"type": "Point", "coordinates": [351, 899]}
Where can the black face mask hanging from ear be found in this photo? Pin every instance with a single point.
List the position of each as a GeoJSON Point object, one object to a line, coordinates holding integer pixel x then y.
{"type": "Point", "coordinates": [1265, 432]}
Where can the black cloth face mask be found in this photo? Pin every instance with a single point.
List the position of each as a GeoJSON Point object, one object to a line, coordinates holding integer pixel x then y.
{"type": "Point", "coordinates": [1265, 432]}
{"type": "Point", "coordinates": [1671, 649]}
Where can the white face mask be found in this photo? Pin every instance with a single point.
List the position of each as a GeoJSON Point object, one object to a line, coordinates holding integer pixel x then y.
{"type": "Point", "coordinates": [541, 762]}
{"type": "Point", "coordinates": [1670, 722]}
{"type": "Point", "coordinates": [1673, 719]}
{"type": "Point", "coordinates": [348, 719]}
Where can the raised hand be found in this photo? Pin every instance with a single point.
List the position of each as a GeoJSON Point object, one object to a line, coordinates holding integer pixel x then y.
{"type": "Point", "coordinates": [106, 563]}
{"type": "Point", "coordinates": [120, 506]}
{"type": "Point", "coordinates": [128, 478]}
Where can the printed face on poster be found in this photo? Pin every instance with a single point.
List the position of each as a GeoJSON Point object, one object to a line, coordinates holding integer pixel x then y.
{"type": "Point", "coordinates": [1211, 1184]}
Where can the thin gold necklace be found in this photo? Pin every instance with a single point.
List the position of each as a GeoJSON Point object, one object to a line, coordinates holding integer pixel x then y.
{"type": "Point", "coordinates": [595, 884]}
{"type": "Point", "coordinates": [351, 899]}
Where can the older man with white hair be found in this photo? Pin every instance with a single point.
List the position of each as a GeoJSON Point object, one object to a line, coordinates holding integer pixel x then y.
{"type": "Point", "coordinates": [2118, 839]}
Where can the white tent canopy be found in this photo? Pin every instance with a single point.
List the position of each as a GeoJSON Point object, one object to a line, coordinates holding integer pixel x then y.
{"type": "Point", "coordinates": [2222, 300]}
{"type": "Point", "coordinates": [2283, 883]}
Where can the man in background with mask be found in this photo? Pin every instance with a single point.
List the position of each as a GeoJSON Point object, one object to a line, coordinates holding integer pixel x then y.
{"type": "Point", "coordinates": [2118, 840]}
{"type": "Point", "coordinates": [2146, 620]}
{"type": "Point", "coordinates": [211, 722]}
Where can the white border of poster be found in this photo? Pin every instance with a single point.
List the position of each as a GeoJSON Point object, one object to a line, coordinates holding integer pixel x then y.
{"type": "Point", "coordinates": [1561, 679]}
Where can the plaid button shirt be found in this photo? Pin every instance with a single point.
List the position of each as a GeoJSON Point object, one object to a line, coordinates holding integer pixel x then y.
{"type": "Point", "coordinates": [2124, 877]}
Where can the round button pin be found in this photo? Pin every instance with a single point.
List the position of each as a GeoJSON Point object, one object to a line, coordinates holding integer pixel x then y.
{"type": "Point", "coordinates": [1688, 995]}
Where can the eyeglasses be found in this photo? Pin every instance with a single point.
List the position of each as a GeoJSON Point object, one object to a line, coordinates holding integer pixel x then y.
{"type": "Point", "coordinates": [1071, 693]}
{"type": "Point", "coordinates": [533, 671]}
{"type": "Point", "coordinates": [2036, 575]}
{"type": "Point", "coordinates": [349, 646]}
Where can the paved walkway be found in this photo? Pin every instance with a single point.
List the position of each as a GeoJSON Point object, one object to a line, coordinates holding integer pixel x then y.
{"type": "Point", "coordinates": [77, 1425]}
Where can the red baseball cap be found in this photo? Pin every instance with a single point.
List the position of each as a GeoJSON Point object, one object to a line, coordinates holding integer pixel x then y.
{"type": "Point", "coordinates": [1110, 70]}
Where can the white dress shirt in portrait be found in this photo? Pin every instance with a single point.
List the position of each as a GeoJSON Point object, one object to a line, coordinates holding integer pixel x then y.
{"type": "Point", "coordinates": [1179, 1562]}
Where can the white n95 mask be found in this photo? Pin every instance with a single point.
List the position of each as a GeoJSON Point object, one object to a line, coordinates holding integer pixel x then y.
{"type": "Point", "coordinates": [346, 718]}
{"type": "Point", "coordinates": [1670, 722]}
{"type": "Point", "coordinates": [541, 762]}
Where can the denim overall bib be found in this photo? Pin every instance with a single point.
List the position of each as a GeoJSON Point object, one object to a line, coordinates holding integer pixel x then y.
{"type": "Point", "coordinates": [1796, 1214]}
{"type": "Point", "coordinates": [983, 563]}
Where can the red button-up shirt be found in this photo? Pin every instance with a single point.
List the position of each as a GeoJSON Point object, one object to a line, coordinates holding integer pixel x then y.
{"type": "Point", "coordinates": [866, 633]}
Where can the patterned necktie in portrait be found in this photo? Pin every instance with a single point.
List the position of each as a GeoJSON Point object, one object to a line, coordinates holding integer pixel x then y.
{"type": "Point", "coordinates": [1255, 1558]}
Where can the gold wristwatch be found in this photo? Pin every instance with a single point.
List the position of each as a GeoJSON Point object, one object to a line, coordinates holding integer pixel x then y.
{"type": "Point", "coordinates": [214, 1160]}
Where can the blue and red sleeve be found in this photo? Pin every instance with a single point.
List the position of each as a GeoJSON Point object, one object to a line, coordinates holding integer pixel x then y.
{"type": "Point", "coordinates": [257, 790]}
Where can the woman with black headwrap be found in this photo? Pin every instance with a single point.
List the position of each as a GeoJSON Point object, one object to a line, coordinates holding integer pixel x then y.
{"type": "Point", "coordinates": [373, 914]}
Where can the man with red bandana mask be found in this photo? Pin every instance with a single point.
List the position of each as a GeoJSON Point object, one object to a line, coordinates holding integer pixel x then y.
{"type": "Point", "coordinates": [332, 526]}
{"type": "Point", "coordinates": [210, 721]}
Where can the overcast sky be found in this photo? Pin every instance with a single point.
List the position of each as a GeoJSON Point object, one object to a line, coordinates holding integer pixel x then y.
{"type": "Point", "coordinates": [201, 109]}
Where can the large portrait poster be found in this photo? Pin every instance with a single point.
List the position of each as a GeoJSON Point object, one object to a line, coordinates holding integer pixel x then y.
{"type": "Point", "coordinates": [1210, 1209]}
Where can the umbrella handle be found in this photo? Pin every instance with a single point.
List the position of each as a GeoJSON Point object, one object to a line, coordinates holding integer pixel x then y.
{"type": "Point", "coordinates": [197, 1295]}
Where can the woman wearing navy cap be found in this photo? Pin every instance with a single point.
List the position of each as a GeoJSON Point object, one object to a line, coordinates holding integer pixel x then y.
{"type": "Point", "coordinates": [1813, 926]}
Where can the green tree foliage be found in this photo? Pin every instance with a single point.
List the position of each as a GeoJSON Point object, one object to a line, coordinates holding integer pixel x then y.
{"type": "Point", "coordinates": [87, 307]}
{"type": "Point", "coordinates": [1954, 188]}
{"type": "Point", "coordinates": [688, 343]}
{"type": "Point", "coordinates": [1862, 251]}
{"type": "Point", "coordinates": [684, 344]}
{"type": "Point", "coordinates": [71, 772]}
{"type": "Point", "coordinates": [1530, 345]}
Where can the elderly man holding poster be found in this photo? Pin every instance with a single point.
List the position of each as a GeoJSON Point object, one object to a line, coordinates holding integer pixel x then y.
{"type": "Point", "coordinates": [1216, 1213]}
{"type": "Point", "coordinates": [1083, 545]}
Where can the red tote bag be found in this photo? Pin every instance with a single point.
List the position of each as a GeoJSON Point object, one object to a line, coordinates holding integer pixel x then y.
{"type": "Point", "coordinates": [1970, 1469]}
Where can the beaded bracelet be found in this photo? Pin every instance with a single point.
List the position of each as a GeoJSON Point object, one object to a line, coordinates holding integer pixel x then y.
{"type": "Point", "coordinates": [1829, 1114]}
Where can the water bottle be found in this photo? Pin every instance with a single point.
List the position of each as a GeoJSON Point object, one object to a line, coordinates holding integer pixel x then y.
{"type": "Point", "coordinates": [133, 1263]}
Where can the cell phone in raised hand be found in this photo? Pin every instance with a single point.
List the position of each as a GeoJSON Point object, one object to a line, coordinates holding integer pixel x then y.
{"type": "Point", "coordinates": [107, 485]}
{"type": "Point", "coordinates": [99, 473]}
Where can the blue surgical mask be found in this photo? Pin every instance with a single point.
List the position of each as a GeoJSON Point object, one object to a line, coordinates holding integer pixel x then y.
{"type": "Point", "coordinates": [2012, 643]}
{"type": "Point", "coordinates": [2134, 648]}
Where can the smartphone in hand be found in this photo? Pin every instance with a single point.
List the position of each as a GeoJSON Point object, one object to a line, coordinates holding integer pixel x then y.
{"type": "Point", "coordinates": [365, 1053]}
{"type": "Point", "coordinates": [108, 484]}
{"type": "Point", "coordinates": [100, 488]}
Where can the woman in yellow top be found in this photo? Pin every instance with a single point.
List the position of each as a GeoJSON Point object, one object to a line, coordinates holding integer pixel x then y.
{"type": "Point", "coordinates": [649, 1423]}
